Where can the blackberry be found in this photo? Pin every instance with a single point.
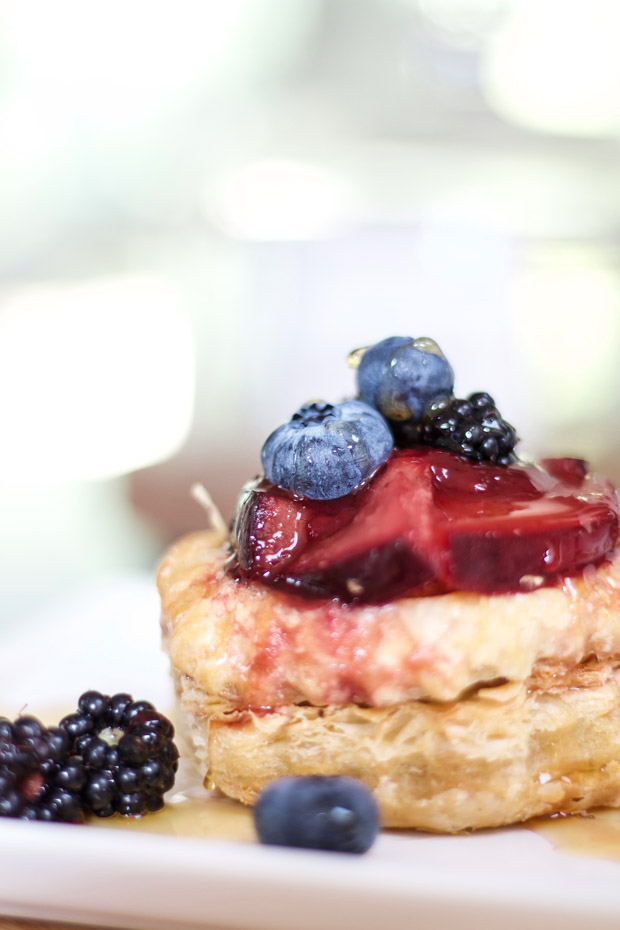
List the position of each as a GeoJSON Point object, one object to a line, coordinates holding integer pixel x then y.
{"type": "Point", "coordinates": [471, 427]}
{"type": "Point", "coordinates": [127, 750]}
{"type": "Point", "coordinates": [39, 777]}
{"type": "Point", "coordinates": [114, 755]}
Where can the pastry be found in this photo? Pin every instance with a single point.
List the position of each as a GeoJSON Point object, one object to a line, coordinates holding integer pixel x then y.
{"type": "Point", "coordinates": [445, 627]}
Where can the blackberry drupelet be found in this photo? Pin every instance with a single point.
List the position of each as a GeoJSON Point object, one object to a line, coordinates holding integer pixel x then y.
{"type": "Point", "coordinates": [472, 427]}
{"type": "Point", "coordinates": [127, 749]}
{"type": "Point", "coordinates": [39, 777]}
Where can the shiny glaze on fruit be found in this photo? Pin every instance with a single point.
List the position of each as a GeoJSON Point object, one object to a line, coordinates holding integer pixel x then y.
{"type": "Point", "coordinates": [429, 522]}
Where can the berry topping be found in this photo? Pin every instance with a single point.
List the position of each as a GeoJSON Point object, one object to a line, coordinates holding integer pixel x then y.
{"type": "Point", "coordinates": [472, 427]}
{"type": "Point", "coordinates": [128, 750]}
{"type": "Point", "coordinates": [112, 755]}
{"type": "Point", "coordinates": [317, 812]}
{"type": "Point", "coordinates": [326, 451]}
{"type": "Point", "coordinates": [430, 521]}
{"type": "Point", "coordinates": [401, 376]}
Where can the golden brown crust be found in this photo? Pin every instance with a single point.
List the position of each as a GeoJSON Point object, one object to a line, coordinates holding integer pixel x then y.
{"type": "Point", "coordinates": [477, 710]}
{"type": "Point", "coordinates": [500, 756]}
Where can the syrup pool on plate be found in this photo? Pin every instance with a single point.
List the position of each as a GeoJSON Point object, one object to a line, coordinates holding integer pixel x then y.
{"type": "Point", "coordinates": [190, 810]}
{"type": "Point", "coordinates": [196, 812]}
{"type": "Point", "coordinates": [594, 835]}
{"type": "Point", "coordinates": [193, 813]}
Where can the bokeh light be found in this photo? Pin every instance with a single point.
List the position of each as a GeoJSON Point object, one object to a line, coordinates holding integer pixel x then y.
{"type": "Point", "coordinates": [207, 205]}
{"type": "Point", "coordinates": [96, 379]}
{"type": "Point", "coordinates": [554, 67]}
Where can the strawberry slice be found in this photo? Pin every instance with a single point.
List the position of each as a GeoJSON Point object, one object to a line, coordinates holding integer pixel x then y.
{"type": "Point", "coordinates": [430, 521]}
{"type": "Point", "coordinates": [527, 523]}
{"type": "Point", "coordinates": [272, 526]}
{"type": "Point", "coordinates": [267, 529]}
{"type": "Point", "coordinates": [389, 545]}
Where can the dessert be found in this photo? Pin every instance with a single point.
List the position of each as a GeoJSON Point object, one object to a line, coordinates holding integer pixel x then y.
{"type": "Point", "coordinates": [446, 630]}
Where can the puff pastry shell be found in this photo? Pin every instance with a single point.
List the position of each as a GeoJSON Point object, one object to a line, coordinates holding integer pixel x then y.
{"type": "Point", "coordinates": [459, 711]}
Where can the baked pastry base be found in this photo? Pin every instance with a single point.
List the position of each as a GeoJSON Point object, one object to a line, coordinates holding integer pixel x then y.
{"type": "Point", "coordinates": [470, 711]}
{"type": "Point", "coordinates": [499, 756]}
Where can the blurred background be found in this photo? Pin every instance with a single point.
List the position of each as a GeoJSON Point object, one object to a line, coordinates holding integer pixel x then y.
{"type": "Point", "coordinates": [205, 205]}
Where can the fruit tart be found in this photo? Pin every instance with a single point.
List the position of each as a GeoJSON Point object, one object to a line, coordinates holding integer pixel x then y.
{"type": "Point", "coordinates": [402, 599]}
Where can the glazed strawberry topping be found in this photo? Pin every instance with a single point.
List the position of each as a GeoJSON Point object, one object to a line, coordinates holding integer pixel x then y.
{"type": "Point", "coordinates": [429, 521]}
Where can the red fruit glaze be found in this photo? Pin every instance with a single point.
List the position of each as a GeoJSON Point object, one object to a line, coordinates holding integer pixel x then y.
{"type": "Point", "coordinates": [430, 521]}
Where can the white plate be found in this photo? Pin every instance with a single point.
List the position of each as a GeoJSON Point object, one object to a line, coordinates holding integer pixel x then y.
{"type": "Point", "coordinates": [109, 639]}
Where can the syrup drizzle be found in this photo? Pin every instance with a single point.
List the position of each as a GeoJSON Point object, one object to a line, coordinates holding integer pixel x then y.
{"type": "Point", "coordinates": [191, 810]}
{"type": "Point", "coordinates": [191, 813]}
{"type": "Point", "coordinates": [594, 835]}
{"type": "Point", "coordinates": [194, 811]}
{"type": "Point", "coordinates": [204, 815]}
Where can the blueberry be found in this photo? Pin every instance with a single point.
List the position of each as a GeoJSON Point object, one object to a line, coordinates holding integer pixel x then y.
{"type": "Point", "coordinates": [327, 450]}
{"type": "Point", "coordinates": [317, 812]}
{"type": "Point", "coordinates": [401, 376]}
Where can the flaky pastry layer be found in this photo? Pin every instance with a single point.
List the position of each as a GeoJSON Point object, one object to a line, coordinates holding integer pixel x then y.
{"type": "Point", "coordinates": [502, 755]}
